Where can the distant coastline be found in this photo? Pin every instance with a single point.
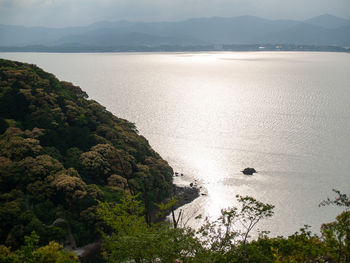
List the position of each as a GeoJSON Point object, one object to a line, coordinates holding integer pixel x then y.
{"type": "Point", "coordinates": [175, 48]}
{"type": "Point", "coordinates": [241, 33]}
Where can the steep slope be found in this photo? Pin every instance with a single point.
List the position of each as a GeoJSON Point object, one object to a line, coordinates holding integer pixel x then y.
{"type": "Point", "coordinates": [60, 153]}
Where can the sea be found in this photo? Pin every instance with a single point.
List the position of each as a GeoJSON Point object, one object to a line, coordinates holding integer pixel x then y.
{"type": "Point", "coordinates": [212, 114]}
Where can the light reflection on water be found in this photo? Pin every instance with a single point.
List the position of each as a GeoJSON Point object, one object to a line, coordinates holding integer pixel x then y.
{"type": "Point", "coordinates": [213, 114]}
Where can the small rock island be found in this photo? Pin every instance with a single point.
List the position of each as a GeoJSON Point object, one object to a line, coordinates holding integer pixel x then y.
{"type": "Point", "coordinates": [249, 171]}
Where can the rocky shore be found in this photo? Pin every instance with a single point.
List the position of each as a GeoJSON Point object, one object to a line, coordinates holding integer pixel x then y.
{"type": "Point", "coordinates": [185, 194]}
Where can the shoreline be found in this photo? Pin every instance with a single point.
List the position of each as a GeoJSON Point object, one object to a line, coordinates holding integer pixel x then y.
{"type": "Point", "coordinates": [186, 194]}
{"type": "Point", "coordinates": [263, 47]}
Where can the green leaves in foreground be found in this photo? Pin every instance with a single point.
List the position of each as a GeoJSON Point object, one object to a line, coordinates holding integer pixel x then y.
{"type": "Point", "coordinates": [226, 237]}
{"type": "Point", "coordinates": [31, 253]}
{"type": "Point", "coordinates": [128, 236]}
{"type": "Point", "coordinates": [337, 233]}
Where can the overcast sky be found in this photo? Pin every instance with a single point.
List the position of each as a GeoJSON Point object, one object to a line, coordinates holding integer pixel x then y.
{"type": "Point", "coordinates": [61, 13]}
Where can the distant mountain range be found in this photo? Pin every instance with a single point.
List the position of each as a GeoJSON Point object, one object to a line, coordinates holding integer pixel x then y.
{"type": "Point", "coordinates": [324, 30]}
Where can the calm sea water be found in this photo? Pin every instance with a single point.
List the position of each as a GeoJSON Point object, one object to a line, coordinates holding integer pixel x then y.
{"type": "Point", "coordinates": [210, 115]}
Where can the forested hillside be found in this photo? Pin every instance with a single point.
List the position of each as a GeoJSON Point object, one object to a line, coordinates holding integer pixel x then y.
{"type": "Point", "coordinates": [60, 153]}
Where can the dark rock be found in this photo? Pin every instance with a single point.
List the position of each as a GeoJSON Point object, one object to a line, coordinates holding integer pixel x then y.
{"type": "Point", "coordinates": [249, 171]}
{"type": "Point", "coordinates": [90, 252]}
{"type": "Point", "coordinates": [191, 184]}
{"type": "Point", "coordinates": [184, 194]}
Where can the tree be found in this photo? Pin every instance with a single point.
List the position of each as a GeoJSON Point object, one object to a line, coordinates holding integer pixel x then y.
{"type": "Point", "coordinates": [30, 252]}
{"type": "Point", "coordinates": [225, 236]}
{"type": "Point", "coordinates": [104, 160]}
{"type": "Point", "coordinates": [336, 234]}
{"type": "Point", "coordinates": [70, 186]}
{"type": "Point", "coordinates": [251, 213]}
{"type": "Point", "coordinates": [128, 236]}
{"type": "Point", "coordinates": [341, 200]}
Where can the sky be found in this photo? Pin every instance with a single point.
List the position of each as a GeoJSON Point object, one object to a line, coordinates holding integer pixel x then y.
{"type": "Point", "coordinates": [63, 13]}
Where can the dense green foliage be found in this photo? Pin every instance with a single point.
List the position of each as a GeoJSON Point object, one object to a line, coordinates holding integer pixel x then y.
{"type": "Point", "coordinates": [224, 240]}
{"type": "Point", "coordinates": [129, 238]}
{"type": "Point", "coordinates": [60, 154]}
{"type": "Point", "coordinates": [30, 252]}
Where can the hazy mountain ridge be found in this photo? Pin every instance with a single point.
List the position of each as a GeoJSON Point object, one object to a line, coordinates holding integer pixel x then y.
{"type": "Point", "coordinates": [328, 21]}
{"type": "Point", "coordinates": [321, 30]}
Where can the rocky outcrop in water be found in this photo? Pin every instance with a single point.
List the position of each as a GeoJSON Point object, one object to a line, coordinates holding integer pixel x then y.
{"type": "Point", "coordinates": [249, 171]}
